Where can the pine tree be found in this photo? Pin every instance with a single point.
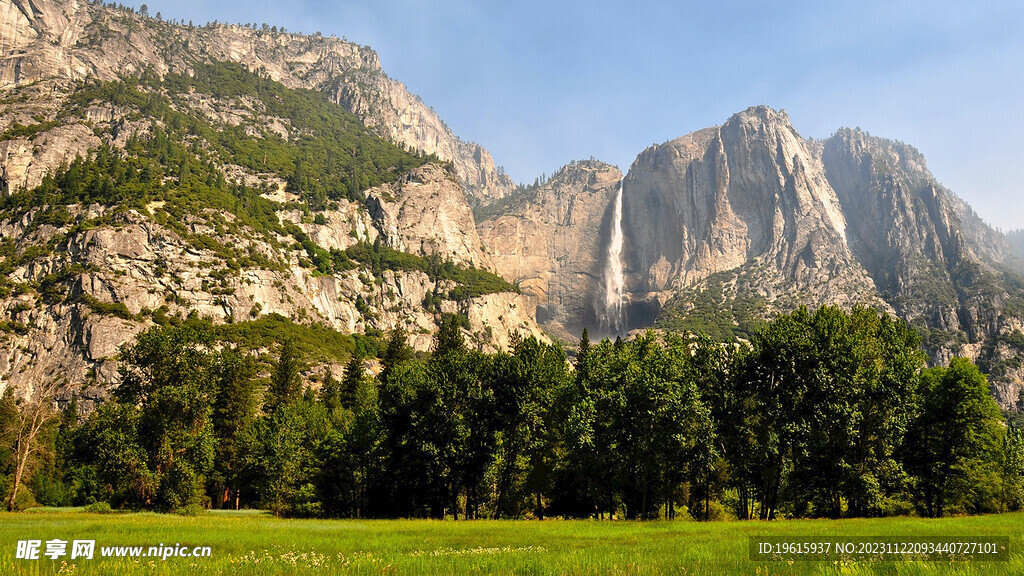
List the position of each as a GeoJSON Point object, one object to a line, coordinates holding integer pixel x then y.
{"type": "Point", "coordinates": [398, 351]}
{"type": "Point", "coordinates": [233, 413]}
{"type": "Point", "coordinates": [330, 393]}
{"type": "Point", "coordinates": [583, 358]}
{"type": "Point", "coordinates": [449, 338]}
{"type": "Point", "coordinates": [285, 384]}
{"type": "Point", "coordinates": [350, 384]}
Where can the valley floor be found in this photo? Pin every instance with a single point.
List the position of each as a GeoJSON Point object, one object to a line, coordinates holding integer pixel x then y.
{"type": "Point", "coordinates": [256, 543]}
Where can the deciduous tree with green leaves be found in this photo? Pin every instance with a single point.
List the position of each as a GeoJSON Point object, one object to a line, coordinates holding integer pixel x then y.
{"type": "Point", "coordinates": [955, 445]}
{"type": "Point", "coordinates": [170, 376]}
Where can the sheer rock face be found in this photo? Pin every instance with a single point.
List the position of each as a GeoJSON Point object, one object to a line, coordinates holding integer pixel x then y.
{"type": "Point", "coordinates": [750, 190]}
{"type": "Point", "coordinates": [23, 163]}
{"type": "Point", "coordinates": [851, 220]}
{"type": "Point", "coordinates": [900, 216]}
{"type": "Point", "coordinates": [552, 242]}
{"type": "Point", "coordinates": [60, 40]}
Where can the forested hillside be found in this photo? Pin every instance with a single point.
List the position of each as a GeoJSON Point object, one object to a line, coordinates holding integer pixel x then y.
{"type": "Point", "coordinates": [224, 194]}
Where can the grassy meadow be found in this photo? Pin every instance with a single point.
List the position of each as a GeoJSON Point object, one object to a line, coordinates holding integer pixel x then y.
{"type": "Point", "coordinates": [255, 543]}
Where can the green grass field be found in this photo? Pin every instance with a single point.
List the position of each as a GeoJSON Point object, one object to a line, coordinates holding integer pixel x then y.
{"type": "Point", "coordinates": [255, 543]}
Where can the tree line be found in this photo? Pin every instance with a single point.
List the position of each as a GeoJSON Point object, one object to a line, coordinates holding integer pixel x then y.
{"type": "Point", "coordinates": [821, 414]}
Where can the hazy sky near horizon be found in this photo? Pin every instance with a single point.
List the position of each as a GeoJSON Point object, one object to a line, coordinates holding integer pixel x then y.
{"type": "Point", "coordinates": [542, 83]}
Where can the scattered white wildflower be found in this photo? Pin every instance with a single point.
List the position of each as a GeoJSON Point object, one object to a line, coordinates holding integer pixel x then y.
{"type": "Point", "coordinates": [478, 551]}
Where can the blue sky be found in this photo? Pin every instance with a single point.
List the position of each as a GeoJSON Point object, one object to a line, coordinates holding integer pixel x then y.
{"type": "Point", "coordinates": [543, 83]}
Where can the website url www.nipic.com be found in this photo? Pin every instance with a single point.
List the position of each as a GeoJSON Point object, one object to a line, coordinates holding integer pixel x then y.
{"type": "Point", "coordinates": [86, 550]}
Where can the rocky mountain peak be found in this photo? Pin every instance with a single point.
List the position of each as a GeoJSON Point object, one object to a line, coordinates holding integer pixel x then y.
{"type": "Point", "coordinates": [761, 116]}
{"type": "Point", "coordinates": [68, 40]}
{"type": "Point", "coordinates": [589, 176]}
{"type": "Point", "coordinates": [715, 200]}
{"type": "Point", "coordinates": [898, 159]}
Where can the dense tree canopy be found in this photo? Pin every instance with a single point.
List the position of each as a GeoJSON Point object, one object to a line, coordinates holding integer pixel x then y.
{"type": "Point", "coordinates": [824, 413]}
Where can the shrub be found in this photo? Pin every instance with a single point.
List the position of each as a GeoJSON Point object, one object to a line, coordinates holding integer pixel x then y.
{"type": "Point", "coordinates": [306, 503]}
{"type": "Point", "coordinates": [101, 507]}
{"type": "Point", "coordinates": [190, 510]}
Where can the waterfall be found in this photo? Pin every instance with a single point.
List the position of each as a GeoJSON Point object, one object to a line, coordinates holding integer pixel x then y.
{"type": "Point", "coordinates": [614, 283]}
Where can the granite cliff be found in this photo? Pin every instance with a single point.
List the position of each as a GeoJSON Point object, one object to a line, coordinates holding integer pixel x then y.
{"type": "Point", "coordinates": [751, 197]}
{"type": "Point", "coordinates": [549, 239]}
{"type": "Point", "coordinates": [938, 264]}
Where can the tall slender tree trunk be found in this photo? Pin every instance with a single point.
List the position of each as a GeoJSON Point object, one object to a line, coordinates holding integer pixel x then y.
{"type": "Point", "coordinates": [18, 472]}
{"type": "Point", "coordinates": [742, 492]}
{"type": "Point", "coordinates": [771, 499]}
{"type": "Point", "coordinates": [643, 503]}
{"type": "Point", "coordinates": [455, 504]}
{"type": "Point", "coordinates": [707, 503]}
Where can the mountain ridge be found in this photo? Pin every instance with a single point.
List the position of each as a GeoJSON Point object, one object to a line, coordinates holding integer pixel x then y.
{"type": "Point", "coordinates": [68, 40]}
{"type": "Point", "coordinates": [729, 225]}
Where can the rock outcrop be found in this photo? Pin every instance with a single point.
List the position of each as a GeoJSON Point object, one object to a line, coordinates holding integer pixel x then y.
{"type": "Point", "coordinates": [426, 213]}
{"type": "Point", "coordinates": [403, 118]}
{"type": "Point", "coordinates": [113, 278]}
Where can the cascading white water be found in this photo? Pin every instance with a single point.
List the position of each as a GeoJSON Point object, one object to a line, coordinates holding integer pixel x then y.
{"type": "Point", "coordinates": [614, 284]}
